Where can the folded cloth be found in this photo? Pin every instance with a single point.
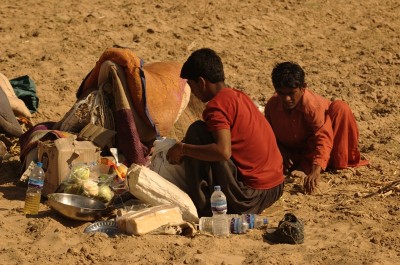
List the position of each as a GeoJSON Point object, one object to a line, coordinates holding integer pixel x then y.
{"type": "Point", "coordinates": [128, 140]}
{"type": "Point", "coordinates": [290, 231]}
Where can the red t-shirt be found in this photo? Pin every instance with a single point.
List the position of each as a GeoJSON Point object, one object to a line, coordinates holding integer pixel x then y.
{"type": "Point", "coordinates": [254, 148]}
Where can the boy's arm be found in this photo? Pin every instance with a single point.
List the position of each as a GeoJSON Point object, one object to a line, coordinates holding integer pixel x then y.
{"type": "Point", "coordinates": [218, 151]}
{"type": "Point", "coordinates": [322, 139]}
{"type": "Point", "coordinates": [323, 142]}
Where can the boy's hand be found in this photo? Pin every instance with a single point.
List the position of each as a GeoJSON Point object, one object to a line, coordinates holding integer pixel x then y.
{"type": "Point", "coordinates": [175, 154]}
{"type": "Point", "coordinates": [312, 179]}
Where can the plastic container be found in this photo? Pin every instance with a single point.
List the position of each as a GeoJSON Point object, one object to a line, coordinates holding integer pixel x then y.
{"type": "Point", "coordinates": [219, 209]}
{"type": "Point", "coordinates": [34, 191]}
{"type": "Point", "coordinates": [238, 224]}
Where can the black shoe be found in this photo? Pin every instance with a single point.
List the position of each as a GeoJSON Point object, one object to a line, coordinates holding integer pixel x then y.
{"type": "Point", "coordinates": [290, 231]}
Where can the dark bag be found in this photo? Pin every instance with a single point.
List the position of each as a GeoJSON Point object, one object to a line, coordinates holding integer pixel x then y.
{"type": "Point", "coordinates": [25, 89]}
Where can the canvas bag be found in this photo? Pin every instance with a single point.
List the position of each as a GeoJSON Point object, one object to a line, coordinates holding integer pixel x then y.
{"type": "Point", "coordinates": [159, 163]}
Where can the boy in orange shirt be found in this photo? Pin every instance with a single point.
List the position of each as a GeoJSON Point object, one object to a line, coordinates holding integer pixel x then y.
{"type": "Point", "coordinates": [312, 132]}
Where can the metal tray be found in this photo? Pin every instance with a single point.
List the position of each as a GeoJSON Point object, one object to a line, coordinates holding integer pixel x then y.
{"type": "Point", "coordinates": [109, 227]}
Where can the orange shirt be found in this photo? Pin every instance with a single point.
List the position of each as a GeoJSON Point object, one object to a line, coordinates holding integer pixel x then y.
{"type": "Point", "coordinates": [254, 148]}
{"type": "Point", "coordinates": [306, 130]}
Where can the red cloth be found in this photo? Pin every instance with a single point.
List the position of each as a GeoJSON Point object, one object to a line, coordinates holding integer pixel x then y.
{"type": "Point", "coordinates": [316, 131]}
{"type": "Point", "coordinates": [345, 151]}
{"type": "Point", "coordinates": [254, 149]}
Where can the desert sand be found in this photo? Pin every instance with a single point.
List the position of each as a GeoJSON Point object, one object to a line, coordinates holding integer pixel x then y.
{"type": "Point", "coordinates": [349, 50]}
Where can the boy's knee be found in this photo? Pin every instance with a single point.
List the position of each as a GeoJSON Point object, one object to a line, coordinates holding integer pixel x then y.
{"type": "Point", "coordinates": [197, 126]}
{"type": "Point", "coordinates": [197, 133]}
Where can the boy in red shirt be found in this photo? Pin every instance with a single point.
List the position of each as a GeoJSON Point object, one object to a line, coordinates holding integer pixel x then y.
{"type": "Point", "coordinates": [233, 147]}
{"type": "Point", "coordinates": [312, 132]}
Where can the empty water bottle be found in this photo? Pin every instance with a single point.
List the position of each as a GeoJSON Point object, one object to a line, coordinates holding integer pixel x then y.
{"type": "Point", "coordinates": [34, 191]}
{"type": "Point", "coordinates": [238, 225]}
{"type": "Point", "coordinates": [206, 224]}
{"type": "Point", "coordinates": [255, 220]}
{"type": "Point", "coordinates": [219, 209]}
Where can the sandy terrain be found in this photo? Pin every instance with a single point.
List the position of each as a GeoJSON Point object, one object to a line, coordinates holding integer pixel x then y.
{"type": "Point", "coordinates": [349, 50]}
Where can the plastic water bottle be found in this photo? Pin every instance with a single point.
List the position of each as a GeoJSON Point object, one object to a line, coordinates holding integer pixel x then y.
{"type": "Point", "coordinates": [255, 221]}
{"type": "Point", "coordinates": [235, 224]}
{"type": "Point", "coordinates": [206, 224]}
{"type": "Point", "coordinates": [238, 224]}
{"type": "Point", "coordinates": [34, 191]}
{"type": "Point", "coordinates": [219, 209]}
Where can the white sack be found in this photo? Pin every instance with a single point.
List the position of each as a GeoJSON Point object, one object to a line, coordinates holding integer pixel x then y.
{"type": "Point", "coordinates": [160, 164]}
{"type": "Point", "coordinates": [149, 187]}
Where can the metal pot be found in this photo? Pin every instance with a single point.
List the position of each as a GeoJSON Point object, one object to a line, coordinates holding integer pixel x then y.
{"type": "Point", "coordinates": [76, 207]}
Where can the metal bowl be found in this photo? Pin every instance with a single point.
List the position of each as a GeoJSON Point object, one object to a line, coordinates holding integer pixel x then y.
{"type": "Point", "coordinates": [76, 207]}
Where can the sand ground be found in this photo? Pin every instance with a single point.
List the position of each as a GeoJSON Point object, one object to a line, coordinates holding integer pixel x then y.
{"type": "Point", "coordinates": [349, 49]}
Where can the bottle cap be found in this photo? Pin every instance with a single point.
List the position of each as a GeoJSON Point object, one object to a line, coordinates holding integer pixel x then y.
{"type": "Point", "coordinates": [217, 188]}
{"type": "Point", "coordinates": [39, 164]}
{"type": "Point", "coordinates": [265, 221]}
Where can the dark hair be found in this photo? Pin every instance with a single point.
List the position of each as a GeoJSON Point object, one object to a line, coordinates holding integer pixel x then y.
{"type": "Point", "coordinates": [287, 75]}
{"type": "Point", "coordinates": [203, 63]}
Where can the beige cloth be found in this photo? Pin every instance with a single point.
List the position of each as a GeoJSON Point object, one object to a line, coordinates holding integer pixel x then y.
{"type": "Point", "coordinates": [17, 105]}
